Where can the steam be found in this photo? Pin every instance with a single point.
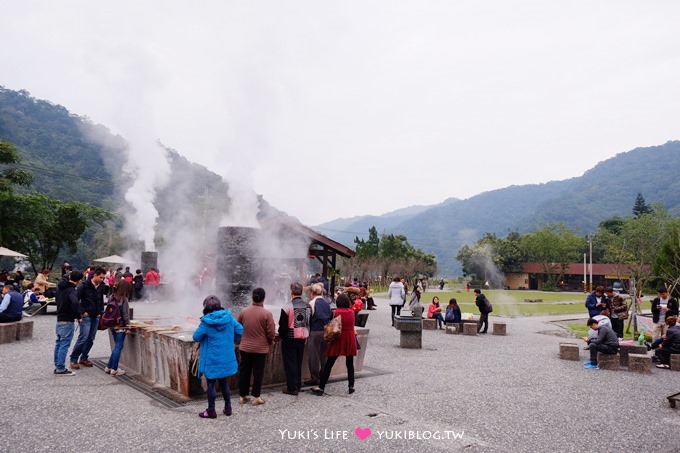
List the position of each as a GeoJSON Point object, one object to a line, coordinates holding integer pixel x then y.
{"type": "Point", "coordinates": [148, 169]}
{"type": "Point", "coordinates": [482, 259]}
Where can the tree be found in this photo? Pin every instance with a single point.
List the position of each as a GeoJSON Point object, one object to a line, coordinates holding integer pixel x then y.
{"type": "Point", "coordinates": [41, 227]}
{"type": "Point", "coordinates": [369, 248]}
{"type": "Point", "coordinates": [641, 207]}
{"type": "Point", "coordinates": [667, 264]}
{"type": "Point", "coordinates": [554, 246]}
{"type": "Point", "coordinates": [12, 176]}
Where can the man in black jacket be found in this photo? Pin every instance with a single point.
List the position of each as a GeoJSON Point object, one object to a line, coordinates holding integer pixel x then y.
{"type": "Point", "coordinates": [670, 345]}
{"type": "Point", "coordinates": [91, 296]}
{"type": "Point", "coordinates": [68, 310]}
{"type": "Point", "coordinates": [481, 303]}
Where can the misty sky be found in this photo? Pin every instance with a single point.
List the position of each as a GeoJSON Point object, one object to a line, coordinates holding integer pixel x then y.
{"type": "Point", "coordinates": [335, 109]}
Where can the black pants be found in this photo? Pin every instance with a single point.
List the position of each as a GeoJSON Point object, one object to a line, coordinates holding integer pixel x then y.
{"type": "Point", "coordinates": [4, 317]}
{"type": "Point", "coordinates": [664, 355]}
{"type": "Point", "coordinates": [483, 319]}
{"type": "Point", "coordinates": [603, 348]}
{"type": "Point", "coordinates": [326, 373]}
{"type": "Point", "coordinates": [252, 364]}
{"type": "Point", "coordinates": [396, 311]}
{"type": "Point", "coordinates": [212, 392]}
{"type": "Point", "coordinates": [617, 326]}
{"type": "Point", "coordinates": [292, 351]}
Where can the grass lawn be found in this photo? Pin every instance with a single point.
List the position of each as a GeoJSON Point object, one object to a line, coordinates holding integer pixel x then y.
{"type": "Point", "coordinates": [511, 303]}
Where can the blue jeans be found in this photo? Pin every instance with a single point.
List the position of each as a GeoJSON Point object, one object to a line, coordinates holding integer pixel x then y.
{"type": "Point", "coordinates": [118, 340]}
{"type": "Point", "coordinates": [88, 329]}
{"type": "Point", "coordinates": [65, 331]}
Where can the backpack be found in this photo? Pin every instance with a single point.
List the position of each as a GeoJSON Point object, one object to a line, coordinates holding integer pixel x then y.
{"type": "Point", "coordinates": [111, 316]}
{"type": "Point", "coordinates": [298, 322]}
{"type": "Point", "coordinates": [487, 305]}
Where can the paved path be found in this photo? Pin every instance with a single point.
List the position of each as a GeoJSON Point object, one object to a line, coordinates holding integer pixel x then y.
{"type": "Point", "coordinates": [503, 394]}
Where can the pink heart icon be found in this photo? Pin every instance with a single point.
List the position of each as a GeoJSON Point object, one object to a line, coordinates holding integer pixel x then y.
{"type": "Point", "coordinates": [362, 433]}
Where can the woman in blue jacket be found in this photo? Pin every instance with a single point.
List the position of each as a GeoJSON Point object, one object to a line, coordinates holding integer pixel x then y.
{"type": "Point", "coordinates": [217, 360]}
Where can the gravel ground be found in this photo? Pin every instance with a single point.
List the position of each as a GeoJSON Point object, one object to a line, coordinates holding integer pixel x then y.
{"type": "Point", "coordinates": [509, 393]}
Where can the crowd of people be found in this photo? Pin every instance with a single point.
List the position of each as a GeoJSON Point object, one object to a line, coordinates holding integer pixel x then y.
{"type": "Point", "coordinates": [608, 311]}
{"type": "Point", "coordinates": [254, 330]}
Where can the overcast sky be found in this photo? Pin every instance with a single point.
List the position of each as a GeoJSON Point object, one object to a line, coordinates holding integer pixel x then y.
{"type": "Point", "coordinates": [336, 109]}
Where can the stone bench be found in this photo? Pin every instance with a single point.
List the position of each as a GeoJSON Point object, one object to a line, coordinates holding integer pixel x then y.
{"type": "Point", "coordinates": [429, 324]}
{"type": "Point", "coordinates": [498, 328]}
{"type": "Point", "coordinates": [569, 351]}
{"type": "Point", "coordinates": [469, 329]}
{"type": "Point", "coordinates": [640, 363]}
{"type": "Point", "coordinates": [608, 361]}
{"type": "Point", "coordinates": [675, 362]}
{"type": "Point", "coordinates": [626, 349]}
{"type": "Point", "coordinates": [15, 331]}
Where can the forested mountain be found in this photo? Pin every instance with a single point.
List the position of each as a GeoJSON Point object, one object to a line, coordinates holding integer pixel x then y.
{"type": "Point", "coordinates": [608, 189]}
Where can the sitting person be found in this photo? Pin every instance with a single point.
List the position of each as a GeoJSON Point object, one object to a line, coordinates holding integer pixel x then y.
{"type": "Point", "coordinates": [670, 322]}
{"type": "Point", "coordinates": [606, 342]}
{"type": "Point", "coordinates": [11, 307]}
{"type": "Point", "coordinates": [357, 304]}
{"type": "Point", "coordinates": [33, 301]}
{"type": "Point", "coordinates": [435, 311]}
{"type": "Point", "coordinates": [602, 320]}
{"type": "Point", "coordinates": [453, 314]}
{"type": "Point", "coordinates": [670, 345]}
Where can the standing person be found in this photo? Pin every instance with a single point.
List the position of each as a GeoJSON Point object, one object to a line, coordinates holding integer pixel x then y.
{"type": "Point", "coordinates": [596, 301]}
{"type": "Point", "coordinates": [138, 283]}
{"type": "Point", "coordinates": [65, 268]}
{"type": "Point", "coordinates": [415, 299]}
{"type": "Point", "coordinates": [397, 296]}
{"type": "Point", "coordinates": [127, 275]}
{"type": "Point", "coordinates": [441, 285]}
{"type": "Point", "coordinates": [344, 345]}
{"type": "Point", "coordinates": [606, 342]}
{"type": "Point", "coordinates": [293, 332]}
{"type": "Point", "coordinates": [151, 282]}
{"type": "Point", "coordinates": [321, 314]}
{"type": "Point", "coordinates": [217, 334]}
{"type": "Point", "coordinates": [483, 304]}
{"type": "Point", "coordinates": [91, 296]}
{"type": "Point", "coordinates": [619, 313]}
{"type": "Point", "coordinates": [435, 311]}
{"type": "Point", "coordinates": [120, 297]}
{"type": "Point", "coordinates": [68, 311]}
{"type": "Point", "coordinates": [41, 280]}
{"type": "Point", "coordinates": [662, 306]}
{"type": "Point", "coordinates": [12, 305]}
{"type": "Point", "coordinates": [259, 331]}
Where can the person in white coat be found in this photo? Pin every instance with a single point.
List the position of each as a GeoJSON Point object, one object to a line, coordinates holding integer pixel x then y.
{"type": "Point", "coordinates": [397, 295]}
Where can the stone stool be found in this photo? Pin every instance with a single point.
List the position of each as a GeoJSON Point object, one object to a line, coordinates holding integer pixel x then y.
{"type": "Point", "coordinates": [469, 329]}
{"type": "Point", "coordinates": [24, 329]}
{"type": "Point", "coordinates": [569, 351]}
{"type": "Point", "coordinates": [8, 332]}
{"type": "Point", "coordinates": [453, 328]}
{"type": "Point", "coordinates": [429, 324]}
{"type": "Point", "coordinates": [498, 328]}
{"type": "Point", "coordinates": [608, 361]}
{"type": "Point", "coordinates": [675, 362]}
{"type": "Point", "coordinates": [626, 349]}
{"type": "Point", "coordinates": [640, 363]}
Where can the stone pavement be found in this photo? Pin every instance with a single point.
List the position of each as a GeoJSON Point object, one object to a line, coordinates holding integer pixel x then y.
{"type": "Point", "coordinates": [498, 393]}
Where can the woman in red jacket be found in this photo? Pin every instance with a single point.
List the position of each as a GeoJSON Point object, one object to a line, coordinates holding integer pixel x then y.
{"type": "Point", "coordinates": [345, 344]}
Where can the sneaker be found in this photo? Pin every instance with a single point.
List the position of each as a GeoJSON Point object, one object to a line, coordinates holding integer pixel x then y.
{"type": "Point", "coordinates": [663, 366]}
{"type": "Point", "coordinates": [208, 414]}
{"type": "Point", "coordinates": [107, 370]}
{"type": "Point", "coordinates": [243, 400]}
{"type": "Point", "coordinates": [74, 365]}
{"type": "Point", "coordinates": [258, 401]}
{"type": "Point", "coordinates": [590, 366]}
{"type": "Point", "coordinates": [227, 411]}
{"type": "Point", "coordinates": [587, 362]}
{"type": "Point", "coordinates": [86, 363]}
{"type": "Point", "coordinates": [64, 372]}
{"type": "Point", "coordinates": [117, 372]}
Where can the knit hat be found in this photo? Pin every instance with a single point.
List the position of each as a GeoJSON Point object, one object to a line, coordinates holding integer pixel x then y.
{"type": "Point", "coordinates": [211, 303]}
